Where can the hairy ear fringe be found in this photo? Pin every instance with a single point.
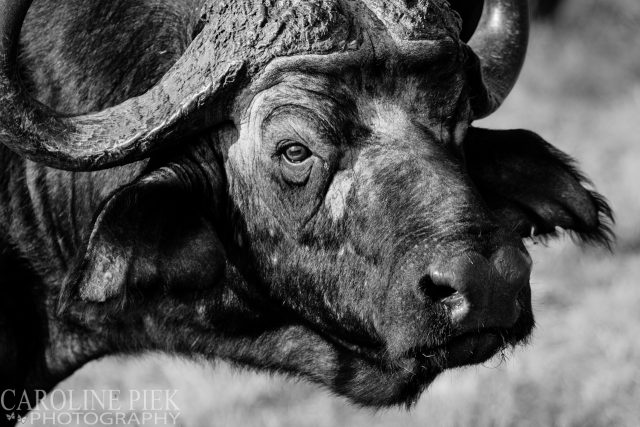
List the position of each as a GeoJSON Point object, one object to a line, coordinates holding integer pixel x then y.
{"type": "Point", "coordinates": [602, 235]}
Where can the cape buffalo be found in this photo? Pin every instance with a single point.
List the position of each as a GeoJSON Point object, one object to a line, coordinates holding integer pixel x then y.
{"type": "Point", "coordinates": [290, 185]}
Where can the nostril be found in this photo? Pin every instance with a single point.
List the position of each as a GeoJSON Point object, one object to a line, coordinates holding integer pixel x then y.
{"type": "Point", "coordinates": [435, 292]}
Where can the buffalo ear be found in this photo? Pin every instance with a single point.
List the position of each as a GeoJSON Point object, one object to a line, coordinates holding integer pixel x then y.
{"type": "Point", "coordinates": [151, 236]}
{"type": "Point", "coordinates": [534, 187]}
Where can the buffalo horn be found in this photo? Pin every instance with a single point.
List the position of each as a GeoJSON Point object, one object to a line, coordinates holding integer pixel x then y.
{"type": "Point", "coordinates": [500, 42]}
{"type": "Point", "coordinates": [118, 135]}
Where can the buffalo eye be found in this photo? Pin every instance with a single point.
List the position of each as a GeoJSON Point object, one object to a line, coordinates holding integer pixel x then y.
{"type": "Point", "coordinates": [296, 153]}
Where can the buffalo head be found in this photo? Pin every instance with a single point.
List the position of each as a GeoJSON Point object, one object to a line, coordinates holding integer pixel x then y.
{"type": "Point", "coordinates": [316, 200]}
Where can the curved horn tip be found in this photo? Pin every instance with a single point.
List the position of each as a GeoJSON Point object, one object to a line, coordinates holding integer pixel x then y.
{"type": "Point", "coordinates": [500, 42]}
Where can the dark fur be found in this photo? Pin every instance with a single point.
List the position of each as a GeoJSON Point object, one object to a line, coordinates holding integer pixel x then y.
{"type": "Point", "coordinates": [192, 240]}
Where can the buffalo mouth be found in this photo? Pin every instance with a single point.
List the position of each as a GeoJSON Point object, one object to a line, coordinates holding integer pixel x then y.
{"type": "Point", "coordinates": [364, 372]}
{"type": "Point", "coordinates": [478, 346]}
{"type": "Point", "coordinates": [360, 367]}
{"type": "Point", "coordinates": [469, 348]}
{"type": "Point", "coordinates": [369, 377]}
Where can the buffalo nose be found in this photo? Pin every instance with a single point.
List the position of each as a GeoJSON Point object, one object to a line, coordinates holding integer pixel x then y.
{"type": "Point", "coordinates": [479, 292]}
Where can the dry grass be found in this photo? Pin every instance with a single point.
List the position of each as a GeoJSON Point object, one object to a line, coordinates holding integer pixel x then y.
{"type": "Point", "coordinates": [581, 90]}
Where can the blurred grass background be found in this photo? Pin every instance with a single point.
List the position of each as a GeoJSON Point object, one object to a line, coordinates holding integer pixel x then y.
{"type": "Point", "coordinates": [581, 91]}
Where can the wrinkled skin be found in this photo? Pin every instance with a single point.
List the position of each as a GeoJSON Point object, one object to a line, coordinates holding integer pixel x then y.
{"type": "Point", "coordinates": [295, 238]}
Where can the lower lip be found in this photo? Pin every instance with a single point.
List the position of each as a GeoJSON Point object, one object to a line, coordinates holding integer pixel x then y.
{"type": "Point", "coordinates": [472, 349]}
